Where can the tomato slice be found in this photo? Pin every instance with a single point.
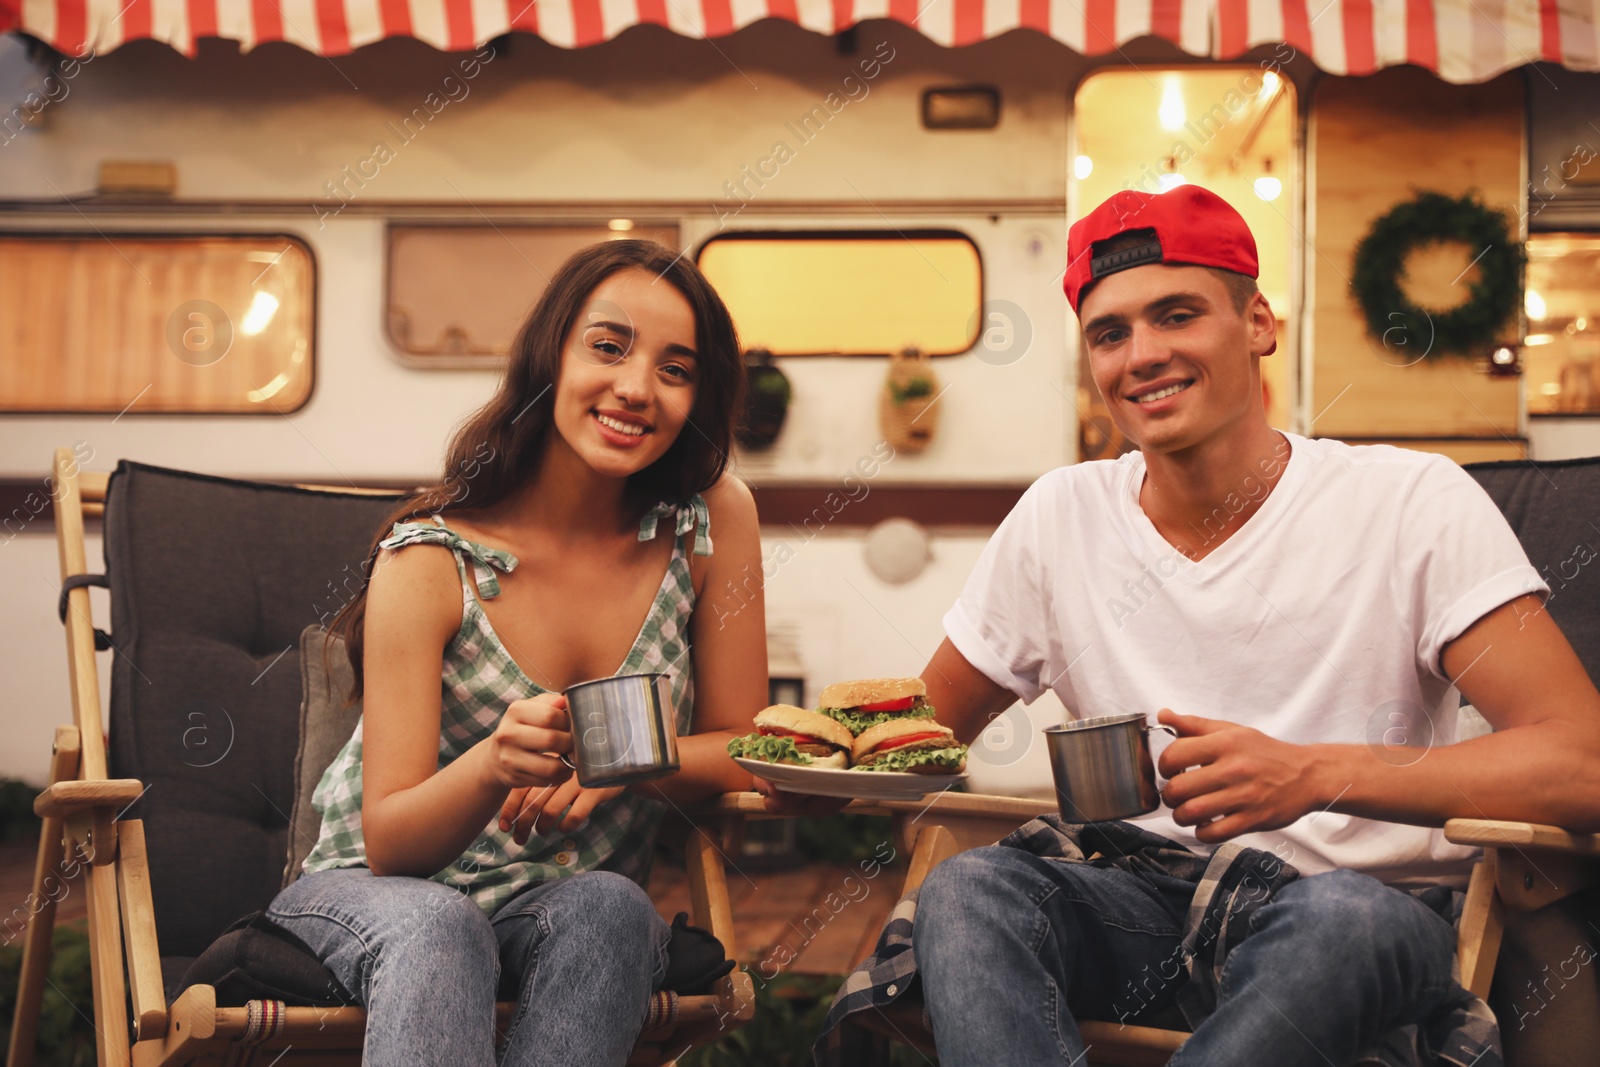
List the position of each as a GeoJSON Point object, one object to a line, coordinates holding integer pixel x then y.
{"type": "Point", "coordinates": [778, 731]}
{"type": "Point", "coordinates": [909, 739]}
{"type": "Point", "coordinates": [903, 704]}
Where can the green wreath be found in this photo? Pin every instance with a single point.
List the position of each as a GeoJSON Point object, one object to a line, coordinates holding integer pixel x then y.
{"type": "Point", "coordinates": [1467, 329]}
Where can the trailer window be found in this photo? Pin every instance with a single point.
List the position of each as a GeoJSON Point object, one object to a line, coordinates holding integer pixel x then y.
{"type": "Point", "coordinates": [457, 294]}
{"type": "Point", "coordinates": [849, 293]}
{"type": "Point", "coordinates": [1561, 353]}
{"type": "Point", "coordinates": [140, 323]}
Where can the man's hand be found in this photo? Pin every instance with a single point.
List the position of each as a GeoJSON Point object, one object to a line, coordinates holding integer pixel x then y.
{"type": "Point", "coordinates": [779, 802]}
{"type": "Point", "coordinates": [538, 811]}
{"type": "Point", "coordinates": [1217, 768]}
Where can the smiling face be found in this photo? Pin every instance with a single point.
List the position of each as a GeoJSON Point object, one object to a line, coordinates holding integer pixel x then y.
{"type": "Point", "coordinates": [628, 374]}
{"type": "Point", "coordinates": [1176, 363]}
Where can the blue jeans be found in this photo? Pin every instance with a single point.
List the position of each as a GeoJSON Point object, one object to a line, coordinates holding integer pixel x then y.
{"type": "Point", "coordinates": [1012, 949]}
{"type": "Point", "coordinates": [583, 953]}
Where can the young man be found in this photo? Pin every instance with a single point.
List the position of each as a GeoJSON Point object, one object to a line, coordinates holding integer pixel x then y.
{"type": "Point", "coordinates": [1291, 607]}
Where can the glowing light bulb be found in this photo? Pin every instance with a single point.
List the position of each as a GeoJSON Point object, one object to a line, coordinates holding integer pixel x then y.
{"type": "Point", "coordinates": [1171, 111]}
{"type": "Point", "coordinates": [1172, 181]}
{"type": "Point", "coordinates": [1534, 304]}
{"type": "Point", "coordinates": [1082, 167]}
{"type": "Point", "coordinates": [1269, 84]}
{"type": "Point", "coordinates": [1268, 188]}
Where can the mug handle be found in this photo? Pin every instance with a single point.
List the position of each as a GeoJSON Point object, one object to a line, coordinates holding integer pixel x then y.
{"type": "Point", "coordinates": [1149, 727]}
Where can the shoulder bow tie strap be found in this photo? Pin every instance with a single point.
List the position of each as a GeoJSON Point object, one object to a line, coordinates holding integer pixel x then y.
{"type": "Point", "coordinates": [691, 516]}
{"type": "Point", "coordinates": [486, 560]}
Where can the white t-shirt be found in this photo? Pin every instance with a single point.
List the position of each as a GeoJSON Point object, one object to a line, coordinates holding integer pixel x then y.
{"type": "Point", "coordinates": [1321, 620]}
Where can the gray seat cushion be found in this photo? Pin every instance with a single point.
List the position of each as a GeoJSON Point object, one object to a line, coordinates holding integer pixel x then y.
{"type": "Point", "coordinates": [327, 719]}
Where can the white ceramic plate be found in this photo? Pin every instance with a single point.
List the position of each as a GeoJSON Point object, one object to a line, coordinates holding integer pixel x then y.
{"type": "Point", "coordinates": [857, 785]}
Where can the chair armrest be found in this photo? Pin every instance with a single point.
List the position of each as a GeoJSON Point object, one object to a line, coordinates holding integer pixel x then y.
{"type": "Point", "coordinates": [65, 799]}
{"type": "Point", "coordinates": [1493, 833]}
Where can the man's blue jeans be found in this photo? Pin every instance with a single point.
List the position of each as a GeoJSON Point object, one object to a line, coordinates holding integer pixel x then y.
{"type": "Point", "coordinates": [1012, 949]}
{"type": "Point", "coordinates": [585, 954]}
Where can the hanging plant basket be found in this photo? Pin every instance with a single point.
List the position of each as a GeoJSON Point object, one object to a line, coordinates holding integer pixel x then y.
{"type": "Point", "coordinates": [766, 403]}
{"type": "Point", "coordinates": [908, 411]}
{"type": "Point", "coordinates": [1469, 329]}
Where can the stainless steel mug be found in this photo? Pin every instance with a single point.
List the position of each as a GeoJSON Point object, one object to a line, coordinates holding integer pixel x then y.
{"type": "Point", "coordinates": [1102, 767]}
{"type": "Point", "coordinates": [624, 730]}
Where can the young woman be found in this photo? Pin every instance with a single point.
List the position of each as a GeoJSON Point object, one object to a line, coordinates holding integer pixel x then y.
{"type": "Point", "coordinates": [570, 539]}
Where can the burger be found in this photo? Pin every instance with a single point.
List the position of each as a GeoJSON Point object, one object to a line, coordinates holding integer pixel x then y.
{"type": "Point", "coordinates": [786, 734]}
{"type": "Point", "coordinates": [871, 701]}
{"type": "Point", "coordinates": [906, 744]}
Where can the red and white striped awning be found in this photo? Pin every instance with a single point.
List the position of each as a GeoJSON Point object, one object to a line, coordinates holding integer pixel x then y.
{"type": "Point", "coordinates": [1460, 40]}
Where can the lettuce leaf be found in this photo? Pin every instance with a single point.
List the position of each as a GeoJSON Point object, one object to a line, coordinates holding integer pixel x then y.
{"type": "Point", "coordinates": [899, 759]}
{"type": "Point", "coordinates": [858, 721]}
{"type": "Point", "coordinates": [771, 749]}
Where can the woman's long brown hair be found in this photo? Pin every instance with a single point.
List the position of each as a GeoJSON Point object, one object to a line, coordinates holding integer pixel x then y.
{"type": "Point", "coordinates": [500, 446]}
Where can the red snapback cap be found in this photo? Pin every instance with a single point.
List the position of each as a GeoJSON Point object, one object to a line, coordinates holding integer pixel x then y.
{"type": "Point", "coordinates": [1189, 225]}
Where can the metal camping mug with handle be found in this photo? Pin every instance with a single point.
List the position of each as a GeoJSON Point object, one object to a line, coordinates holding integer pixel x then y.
{"type": "Point", "coordinates": [1102, 767]}
{"type": "Point", "coordinates": [623, 730]}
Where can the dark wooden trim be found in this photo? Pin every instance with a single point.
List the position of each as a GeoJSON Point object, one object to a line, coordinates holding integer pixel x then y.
{"type": "Point", "coordinates": [26, 504]}
{"type": "Point", "coordinates": [814, 507]}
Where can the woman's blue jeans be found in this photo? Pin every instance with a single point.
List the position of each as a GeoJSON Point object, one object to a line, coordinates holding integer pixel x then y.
{"type": "Point", "coordinates": [1012, 949]}
{"type": "Point", "coordinates": [584, 955]}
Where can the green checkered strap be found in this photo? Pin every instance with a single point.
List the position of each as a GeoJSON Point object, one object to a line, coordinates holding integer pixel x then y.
{"type": "Point", "coordinates": [691, 516]}
{"type": "Point", "coordinates": [485, 560]}
{"type": "Point", "coordinates": [480, 679]}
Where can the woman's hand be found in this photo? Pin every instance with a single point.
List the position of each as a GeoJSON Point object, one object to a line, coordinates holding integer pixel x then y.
{"type": "Point", "coordinates": [523, 749]}
{"type": "Point", "coordinates": [525, 809]}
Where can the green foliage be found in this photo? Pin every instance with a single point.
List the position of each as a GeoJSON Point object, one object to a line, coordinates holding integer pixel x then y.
{"type": "Point", "coordinates": [911, 390]}
{"type": "Point", "coordinates": [17, 820]}
{"type": "Point", "coordinates": [66, 1029]}
{"type": "Point", "coordinates": [775, 387]}
{"type": "Point", "coordinates": [1470, 328]}
{"type": "Point", "coordinates": [789, 1013]}
{"type": "Point", "coordinates": [842, 838]}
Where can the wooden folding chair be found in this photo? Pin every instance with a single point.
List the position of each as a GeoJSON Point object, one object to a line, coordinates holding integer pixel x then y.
{"type": "Point", "coordinates": [137, 879]}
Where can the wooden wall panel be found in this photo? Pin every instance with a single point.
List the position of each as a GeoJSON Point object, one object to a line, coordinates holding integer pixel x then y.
{"type": "Point", "coordinates": [1376, 141]}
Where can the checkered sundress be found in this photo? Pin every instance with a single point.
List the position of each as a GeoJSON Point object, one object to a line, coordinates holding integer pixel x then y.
{"type": "Point", "coordinates": [480, 680]}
